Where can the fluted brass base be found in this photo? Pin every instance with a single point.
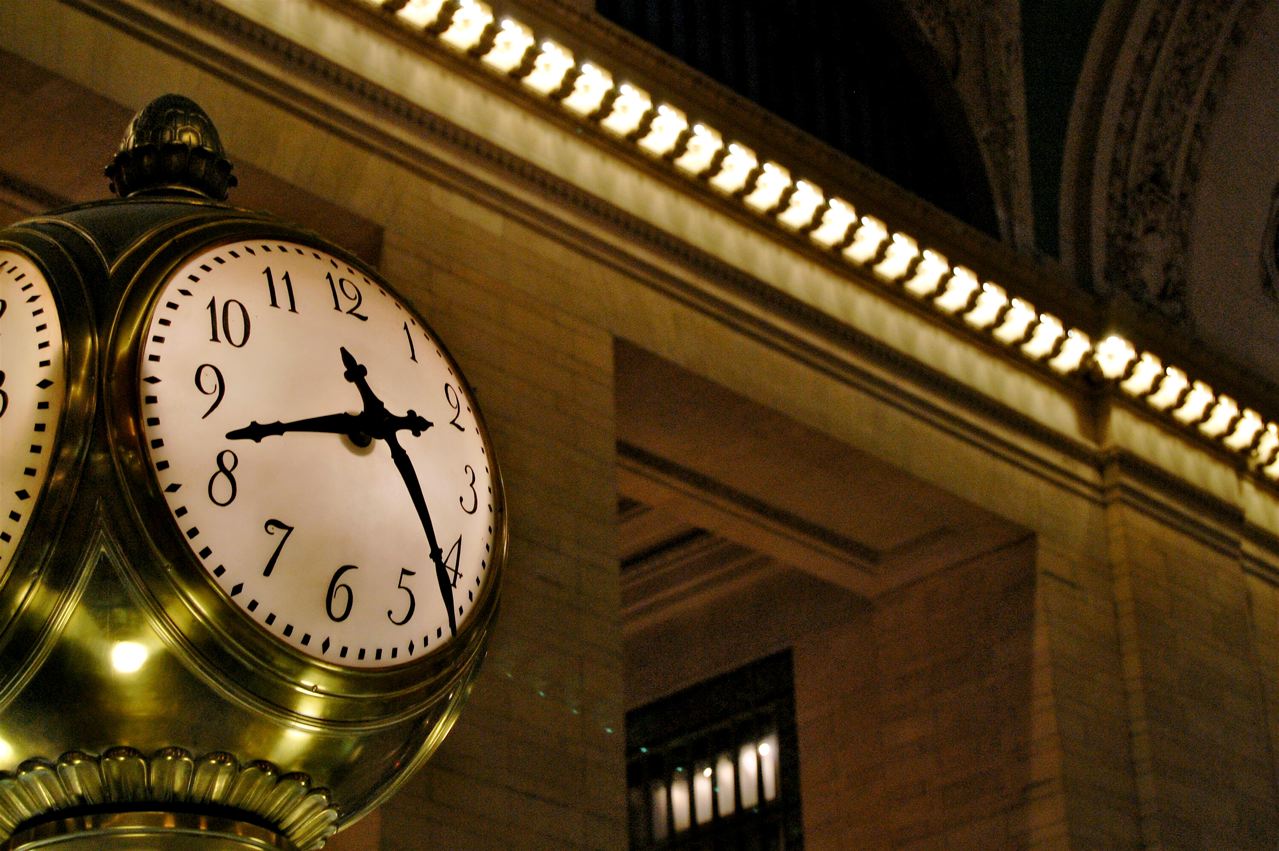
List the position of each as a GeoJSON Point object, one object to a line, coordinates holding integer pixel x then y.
{"type": "Point", "coordinates": [146, 831]}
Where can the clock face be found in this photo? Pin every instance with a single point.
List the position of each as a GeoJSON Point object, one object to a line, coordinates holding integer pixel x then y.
{"type": "Point", "coordinates": [32, 393]}
{"type": "Point", "coordinates": [319, 452]}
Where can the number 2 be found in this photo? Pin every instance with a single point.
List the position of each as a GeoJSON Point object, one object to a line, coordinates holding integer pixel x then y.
{"type": "Point", "coordinates": [450, 394]}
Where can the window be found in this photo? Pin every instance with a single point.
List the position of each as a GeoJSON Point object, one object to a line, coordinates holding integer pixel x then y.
{"type": "Point", "coordinates": [715, 765]}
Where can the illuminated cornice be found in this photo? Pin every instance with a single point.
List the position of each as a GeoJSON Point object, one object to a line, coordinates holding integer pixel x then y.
{"type": "Point", "coordinates": [698, 152]}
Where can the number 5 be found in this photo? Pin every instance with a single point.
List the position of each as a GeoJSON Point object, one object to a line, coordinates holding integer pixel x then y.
{"type": "Point", "coordinates": [404, 571]}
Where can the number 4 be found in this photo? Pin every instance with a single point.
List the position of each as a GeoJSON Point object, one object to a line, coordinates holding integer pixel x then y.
{"type": "Point", "coordinates": [452, 561]}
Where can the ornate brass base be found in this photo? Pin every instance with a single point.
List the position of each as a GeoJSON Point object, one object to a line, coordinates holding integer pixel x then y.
{"type": "Point", "coordinates": [125, 799]}
{"type": "Point", "coordinates": [146, 831]}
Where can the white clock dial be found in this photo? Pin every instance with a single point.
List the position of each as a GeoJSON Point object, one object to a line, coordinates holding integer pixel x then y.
{"type": "Point", "coordinates": [319, 451]}
{"type": "Point", "coordinates": [32, 393]}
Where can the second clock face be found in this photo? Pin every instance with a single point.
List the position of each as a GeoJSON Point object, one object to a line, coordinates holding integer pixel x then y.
{"type": "Point", "coordinates": [32, 393]}
{"type": "Point", "coordinates": [319, 452]}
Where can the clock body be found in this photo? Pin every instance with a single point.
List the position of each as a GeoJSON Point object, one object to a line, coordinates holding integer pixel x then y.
{"type": "Point", "coordinates": [255, 527]}
{"type": "Point", "coordinates": [311, 466]}
{"type": "Point", "coordinates": [252, 529]}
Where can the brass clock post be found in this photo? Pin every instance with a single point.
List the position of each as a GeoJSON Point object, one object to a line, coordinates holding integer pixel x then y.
{"type": "Point", "coordinates": [255, 526]}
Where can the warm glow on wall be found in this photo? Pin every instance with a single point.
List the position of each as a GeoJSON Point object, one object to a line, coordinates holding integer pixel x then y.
{"type": "Point", "coordinates": [1170, 391]}
{"type": "Point", "coordinates": [629, 108]}
{"type": "Point", "coordinates": [1045, 339]}
{"type": "Point", "coordinates": [1268, 445]}
{"type": "Point", "coordinates": [1018, 322]}
{"type": "Point", "coordinates": [1247, 431]}
{"type": "Point", "coordinates": [421, 13]}
{"type": "Point", "coordinates": [961, 288]}
{"type": "Point", "coordinates": [838, 217]}
{"type": "Point", "coordinates": [552, 64]}
{"type": "Point", "coordinates": [1144, 375]}
{"type": "Point", "coordinates": [703, 147]}
{"type": "Point", "coordinates": [469, 22]}
{"type": "Point", "coordinates": [665, 132]}
{"type": "Point", "coordinates": [870, 235]}
{"type": "Point", "coordinates": [1114, 354]}
{"type": "Point", "coordinates": [1076, 348]}
{"type": "Point", "coordinates": [735, 170]}
{"type": "Point", "coordinates": [772, 191]}
{"type": "Point", "coordinates": [992, 302]}
{"type": "Point", "coordinates": [928, 274]}
{"type": "Point", "coordinates": [592, 84]}
{"type": "Point", "coordinates": [1221, 418]}
{"type": "Point", "coordinates": [1194, 407]}
{"type": "Point", "coordinates": [902, 251]}
{"type": "Point", "coordinates": [773, 182]}
{"type": "Point", "coordinates": [804, 204]}
{"type": "Point", "coordinates": [510, 45]}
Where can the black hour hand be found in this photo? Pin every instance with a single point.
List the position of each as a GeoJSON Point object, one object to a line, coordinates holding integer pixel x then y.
{"type": "Point", "coordinates": [348, 424]}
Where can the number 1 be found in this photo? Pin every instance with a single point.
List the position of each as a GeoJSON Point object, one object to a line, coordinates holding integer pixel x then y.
{"type": "Point", "coordinates": [412, 351]}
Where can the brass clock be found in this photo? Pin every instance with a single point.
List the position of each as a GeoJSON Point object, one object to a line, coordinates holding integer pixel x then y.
{"type": "Point", "coordinates": [253, 527]}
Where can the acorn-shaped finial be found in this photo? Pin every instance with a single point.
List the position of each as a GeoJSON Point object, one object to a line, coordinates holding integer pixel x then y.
{"type": "Point", "coordinates": [171, 147]}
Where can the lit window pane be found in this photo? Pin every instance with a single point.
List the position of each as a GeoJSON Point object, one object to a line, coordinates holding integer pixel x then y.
{"type": "Point", "coordinates": [702, 784]}
{"type": "Point", "coordinates": [680, 803]}
{"type": "Point", "coordinates": [748, 772]}
{"type": "Point", "coordinates": [660, 815]}
{"type": "Point", "coordinates": [724, 785]}
{"type": "Point", "coordinates": [768, 766]}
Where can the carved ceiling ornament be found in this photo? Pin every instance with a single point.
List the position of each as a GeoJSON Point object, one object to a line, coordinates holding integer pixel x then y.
{"type": "Point", "coordinates": [979, 44]}
{"type": "Point", "coordinates": [1183, 58]}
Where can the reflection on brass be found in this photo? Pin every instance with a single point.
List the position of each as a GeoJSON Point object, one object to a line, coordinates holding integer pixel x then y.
{"type": "Point", "coordinates": [124, 777]}
{"type": "Point", "coordinates": [148, 831]}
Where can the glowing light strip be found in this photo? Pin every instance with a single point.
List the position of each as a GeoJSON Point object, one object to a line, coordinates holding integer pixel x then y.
{"type": "Point", "coordinates": [796, 205]}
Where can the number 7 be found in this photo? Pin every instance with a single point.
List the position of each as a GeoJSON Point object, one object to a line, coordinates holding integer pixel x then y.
{"type": "Point", "coordinates": [270, 526]}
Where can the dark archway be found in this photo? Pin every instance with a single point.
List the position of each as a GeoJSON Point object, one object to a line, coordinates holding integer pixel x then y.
{"type": "Point", "coordinates": [856, 75]}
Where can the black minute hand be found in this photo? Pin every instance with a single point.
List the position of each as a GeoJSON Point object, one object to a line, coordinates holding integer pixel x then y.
{"type": "Point", "coordinates": [384, 429]}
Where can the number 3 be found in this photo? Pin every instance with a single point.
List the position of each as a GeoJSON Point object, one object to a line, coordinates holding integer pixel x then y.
{"type": "Point", "coordinates": [475, 497]}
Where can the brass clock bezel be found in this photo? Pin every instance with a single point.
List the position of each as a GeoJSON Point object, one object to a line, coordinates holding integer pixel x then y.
{"type": "Point", "coordinates": [34, 603]}
{"type": "Point", "coordinates": [189, 608]}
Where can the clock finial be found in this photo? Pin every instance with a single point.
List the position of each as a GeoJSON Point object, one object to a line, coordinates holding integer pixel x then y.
{"type": "Point", "coordinates": [171, 147]}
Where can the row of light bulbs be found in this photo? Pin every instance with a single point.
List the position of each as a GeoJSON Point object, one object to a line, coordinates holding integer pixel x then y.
{"type": "Point", "coordinates": [699, 151]}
